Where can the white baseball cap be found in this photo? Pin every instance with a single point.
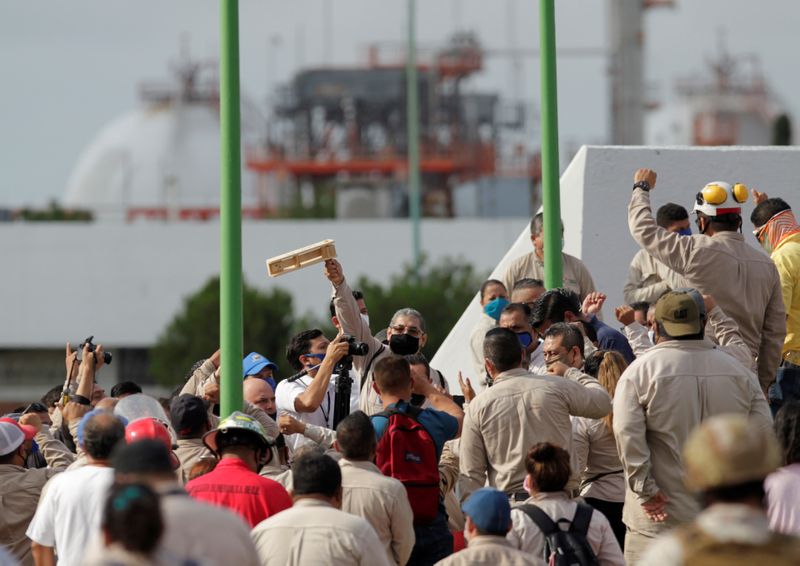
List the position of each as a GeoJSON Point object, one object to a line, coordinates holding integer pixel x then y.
{"type": "Point", "coordinates": [11, 438]}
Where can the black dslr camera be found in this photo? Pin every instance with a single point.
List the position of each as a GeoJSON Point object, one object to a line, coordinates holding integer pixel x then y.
{"type": "Point", "coordinates": [356, 348]}
{"type": "Point", "coordinates": [106, 355]}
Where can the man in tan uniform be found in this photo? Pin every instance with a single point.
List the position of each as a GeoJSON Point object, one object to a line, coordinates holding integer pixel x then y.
{"type": "Point", "coordinates": [521, 409]}
{"type": "Point", "coordinates": [531, 265]}
{"type": "Point", "coordinates": [727, 459]}
{"type": "Point", "coordinates": [20, 488]}
{"type": "Point", "coordinates": [648, 278]}
{"type": "Point", "coordinates": [718, 262]}
{"type": "Point", "coordinates": [488, 520]}
{"type": "Point", "coordinates": [367, 493]}
{"type": "Point", "coordinates": [660, 398]}
{"type": "Point", "coordinates": [315, 530]}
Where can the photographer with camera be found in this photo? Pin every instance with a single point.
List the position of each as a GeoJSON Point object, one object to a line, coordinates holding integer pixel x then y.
{"type": "Point", "coordinates": [310, 395]}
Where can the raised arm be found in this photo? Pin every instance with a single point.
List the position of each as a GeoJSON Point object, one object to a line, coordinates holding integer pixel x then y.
{"type": "Point", "coordinates": [673, 250]}
{"type": "Point", "coordinates": [346, 307]}
{"type": "Point", "coordinates": [196, 383]}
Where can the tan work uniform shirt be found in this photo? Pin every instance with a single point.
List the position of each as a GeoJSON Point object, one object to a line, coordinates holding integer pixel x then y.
{"type": "Point", "coordinates": [485, 324]}
{"type": "Point", "coordinates": [349, 316]}
{"type": "Point", "coordinates": [594, 453]}
{"type": "Point", "coordinates": [490, 550]}
{"type": "Point", "coordinates": [526, 536]}
{"type": "Point", "coordinates": [383, 502]}
{"type": "Point", "coordinates": [742, 280]}
{"type": "Point", "coordinates": [648, 279]}
{"type": "Point", "coordinates": [20, 489]}
{"type": "Point", "coordinates": [314, 532]}
{"type": "Point", "coordinates": [189, 452]}
{"type": "Point", "coordinates": [659, 400]}
{"type": "Point", "coordinates": [575, 273]}
{"type": "Point", "coordinates": [205, 374]}
{"type": "Point", "coordinates": [519, 410]}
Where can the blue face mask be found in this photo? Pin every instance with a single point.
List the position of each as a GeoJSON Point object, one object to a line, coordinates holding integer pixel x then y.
{"type": "Point", "coordinates": [495, 307]}
{"type": "Point", "coordinates": [525, 339]}
{"type": "Point", "coordinates": [685, 232]}
{"type": "Point", "coordinates": [319, 357]}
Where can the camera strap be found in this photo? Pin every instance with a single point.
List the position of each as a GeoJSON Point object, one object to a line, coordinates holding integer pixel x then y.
{"type": "Point", "coordinates": [369, 365]}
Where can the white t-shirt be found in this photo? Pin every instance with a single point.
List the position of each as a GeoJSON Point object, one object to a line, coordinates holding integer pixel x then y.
{"type": "Point", "coordinates": [287, 392]}
{"type": "Point", "coordinates": [71, 511]}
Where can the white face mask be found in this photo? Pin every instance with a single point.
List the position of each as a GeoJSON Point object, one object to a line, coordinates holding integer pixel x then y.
{"type": "Point", "coordinates": [365, 318]}
{"type": "Point", "coordinates": [651, 334]}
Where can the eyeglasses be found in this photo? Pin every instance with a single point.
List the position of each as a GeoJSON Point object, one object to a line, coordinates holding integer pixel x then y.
{"type": "Point", "coordinates": [413, 330]}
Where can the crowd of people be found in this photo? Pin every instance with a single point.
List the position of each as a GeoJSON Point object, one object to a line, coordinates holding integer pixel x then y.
{"type": "Point", "coordinates": [671, 436]}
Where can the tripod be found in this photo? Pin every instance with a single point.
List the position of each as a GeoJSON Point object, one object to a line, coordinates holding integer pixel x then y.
{"type": "Point", "coordinates": [344, 385]}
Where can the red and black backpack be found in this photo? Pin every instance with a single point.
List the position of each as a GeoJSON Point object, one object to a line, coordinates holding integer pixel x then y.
{"type": "Point", "coordinates": [407, 452]}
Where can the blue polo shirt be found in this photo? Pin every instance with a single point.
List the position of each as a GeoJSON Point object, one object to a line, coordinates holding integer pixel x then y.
{"type": "Point", "coordinates": [441, 426]}
{"type": "Point", "coordinates": [610, 339]}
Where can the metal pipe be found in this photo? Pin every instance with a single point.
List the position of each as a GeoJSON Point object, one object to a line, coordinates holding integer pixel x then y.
{"type": "Point", "coordinates": [230, 279]}
{"type": "Point", "coordinates": [412, 112]}
{"type": "Point", "coordinates": [551, 194]}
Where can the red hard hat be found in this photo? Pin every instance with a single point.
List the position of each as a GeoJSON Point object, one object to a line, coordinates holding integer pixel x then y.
{"type": "Point", "coordinates": [152, 429]}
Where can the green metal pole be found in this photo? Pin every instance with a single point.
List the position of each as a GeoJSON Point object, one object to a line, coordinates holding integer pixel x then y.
{"type": "Point", "coordinates": [230, 211]}
{"type": "Point", "coordinates": [551, 194]}
{"type": "Point", "coordinates": [413, 137]}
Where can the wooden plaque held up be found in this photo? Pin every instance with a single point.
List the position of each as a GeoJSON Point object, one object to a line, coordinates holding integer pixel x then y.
{"type": "Point", "coordinates": [300, 258]}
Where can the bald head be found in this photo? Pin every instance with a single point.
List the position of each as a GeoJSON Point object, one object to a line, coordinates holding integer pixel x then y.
{"type": "Point", "coordinates": [259, 393]}
{"type": "Point", "coordinates": [101, 433]}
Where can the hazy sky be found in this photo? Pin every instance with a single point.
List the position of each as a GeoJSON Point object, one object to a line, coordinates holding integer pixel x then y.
{"type": "Point", "coordinates": [68, 68]}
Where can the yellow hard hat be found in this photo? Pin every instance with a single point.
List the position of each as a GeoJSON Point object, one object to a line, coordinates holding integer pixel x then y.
{"type": "Point", "coordinates": [729, 450]}
{"type": "Point", "coordinates": [236, 421]}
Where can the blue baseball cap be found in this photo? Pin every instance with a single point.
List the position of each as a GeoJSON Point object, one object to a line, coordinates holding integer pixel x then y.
{"type": "Point", "coordinates": [254, 363]}
{"type": "Point", "coordinates": [489, 510]}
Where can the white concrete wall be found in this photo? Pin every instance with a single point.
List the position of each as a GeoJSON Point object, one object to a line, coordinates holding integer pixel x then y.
{"type": "Point", "coordinates": [595, 191]}
{"type": "Point", "coordinates": [124, 283]}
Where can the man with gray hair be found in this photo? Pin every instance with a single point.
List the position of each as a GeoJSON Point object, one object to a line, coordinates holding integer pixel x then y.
{"type": "Point", "coordinates": [664, 394]}
{"type": "Point", "coordinates": [405, 335]}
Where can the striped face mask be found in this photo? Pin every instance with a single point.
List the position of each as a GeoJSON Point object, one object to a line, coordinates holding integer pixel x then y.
{"type": "Point", "coordinates": [777, 228]}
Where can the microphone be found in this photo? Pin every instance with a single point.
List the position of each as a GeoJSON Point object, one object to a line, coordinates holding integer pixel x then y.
{"type": "Point", "coordinates": [301, 373]}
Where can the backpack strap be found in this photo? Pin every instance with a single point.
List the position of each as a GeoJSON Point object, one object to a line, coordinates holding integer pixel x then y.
{"type": "Point", "coordinates": [369, 365]}
{"type": "Point", "coordinates": [581, 520]}
{"type": "Point", "coordinates": [540, 518]}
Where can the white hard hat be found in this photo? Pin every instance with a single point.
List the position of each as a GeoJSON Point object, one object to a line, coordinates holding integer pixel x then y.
{"type": "Point", "coordinates": [719, 197]}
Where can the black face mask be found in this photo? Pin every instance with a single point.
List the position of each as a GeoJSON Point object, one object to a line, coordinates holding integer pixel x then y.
{"type": "Point", "coordinates": [404, 344]}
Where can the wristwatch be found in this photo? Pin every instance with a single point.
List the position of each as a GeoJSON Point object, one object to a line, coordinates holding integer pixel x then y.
{"type": "Point", "coordinates": [644, 185]}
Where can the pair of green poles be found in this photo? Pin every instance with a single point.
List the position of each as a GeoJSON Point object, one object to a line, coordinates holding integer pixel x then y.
{"type": "Point", "coordinates": [231, 337]}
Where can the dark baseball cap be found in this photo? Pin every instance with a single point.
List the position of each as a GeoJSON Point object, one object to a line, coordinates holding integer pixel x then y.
{"type": "Point", "coordinates": [142, 456]}
{"type": "Point", "coordinates": [188, 414]}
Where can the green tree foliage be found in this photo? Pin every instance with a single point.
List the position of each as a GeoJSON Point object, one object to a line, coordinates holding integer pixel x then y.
{"type": "Point", "coordinates": [194, 333]}
{"type": "Point", "coordinates": [782, 130]}
{"type": "Point", "coordinates": [441, 293]}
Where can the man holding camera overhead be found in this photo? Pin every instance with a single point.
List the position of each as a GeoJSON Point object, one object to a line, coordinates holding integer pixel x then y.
{"type": "Point", "coordinates": [310, 395]}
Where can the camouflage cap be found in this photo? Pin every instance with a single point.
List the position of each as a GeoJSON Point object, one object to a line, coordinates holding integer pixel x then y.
{"type": "Point", "coordinates": [729, 450]}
